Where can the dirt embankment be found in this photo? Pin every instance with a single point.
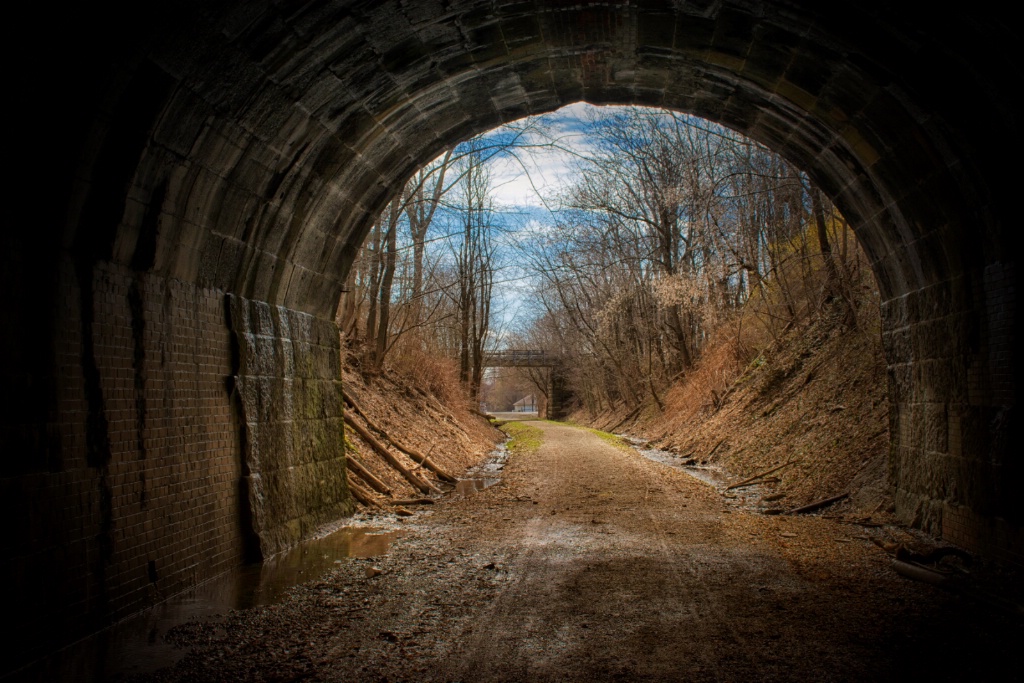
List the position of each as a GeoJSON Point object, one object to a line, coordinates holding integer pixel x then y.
{"type": "Point", "coordinates": [815, 398]}
{"type": "Point", "coordinates": [397, 414]}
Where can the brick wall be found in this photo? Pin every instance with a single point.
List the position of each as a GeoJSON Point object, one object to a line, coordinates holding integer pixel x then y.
{"type": "Point", "coordinates": [992, 537]}
{"type": "Point", "coordinates": [141, 497]}
{"type": "Point", "coordinates": [177, 446]}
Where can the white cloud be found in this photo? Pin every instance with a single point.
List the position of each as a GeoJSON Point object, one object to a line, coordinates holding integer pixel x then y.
{"type": "Point", "coordinates": [535, 175]}
{"type": "Point", "coordinates": [531, 177]}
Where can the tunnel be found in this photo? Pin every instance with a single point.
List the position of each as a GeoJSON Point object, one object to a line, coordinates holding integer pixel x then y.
{"type": "Point", "coordinates": [193, 180]}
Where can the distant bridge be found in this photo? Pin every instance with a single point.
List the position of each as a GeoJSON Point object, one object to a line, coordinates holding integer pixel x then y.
{"type": "Point", "coordinates": [557, 395]}
{"type": "Point", "coordinates": [521, 358]}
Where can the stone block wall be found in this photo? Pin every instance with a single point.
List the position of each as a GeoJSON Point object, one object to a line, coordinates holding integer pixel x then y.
{"type": "Point", "coordinates": [955, 456]}
{"type": "Point", "coordinates": [558, 397]}
{"type": "Point", "coordinates": [288, 389]}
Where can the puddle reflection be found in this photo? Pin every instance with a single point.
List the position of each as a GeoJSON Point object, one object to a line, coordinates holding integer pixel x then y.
{"type": "Point", "coordinates": [707, 474]}
{"type": "Point", "coordinates": [138, 645]}
{"type": "Point", "coordinates": [485, 474]}
{"type": "Point", "coordinates": [466, 487]}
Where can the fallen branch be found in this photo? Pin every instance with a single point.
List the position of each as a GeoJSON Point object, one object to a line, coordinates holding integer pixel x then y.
{"type": "Point", "coordinates": [450, 418]}
{"type": "Point", "coordinates": [413, 501]}
{"type": "Point", "coordinates": [631, 414]}
{"type": "Point", "coordinates": [817, 505]}
{"type": "Point", "coordinates": [362, 495]}
{"type": "Point", "coordinates": [913, 570]}
{"type": "Point", "coordinates": [355, 406]}
{"type": "Point", "coordinates": [760, 475]}
{"type": "Point", "coordinates": [858, 522]}
{"type": "Point", "coordinates": [389, 457]}
{"type": "Point", "coordinates": [932, 556]}
{"type": "Point", "coordinates": [715, 448]}
{"type": "Point", "coordinates": [919, 573]}
{"type": "Point", "coordinates": [422, 460]}
{"type": "Point", "coordinates": [367, 476]}
{"type": "Point", "coordinates": [414, 454]}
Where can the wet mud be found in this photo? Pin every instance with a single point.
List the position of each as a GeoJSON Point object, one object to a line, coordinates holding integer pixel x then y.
{"type": "Point", "coordinates": [757, 496]}
{"type": "Point", "coordinates": [485, 474]}
{"type": "Point", "coordinates": [593, 563]}
{"type": "Point", "coordinates": [146, 642]}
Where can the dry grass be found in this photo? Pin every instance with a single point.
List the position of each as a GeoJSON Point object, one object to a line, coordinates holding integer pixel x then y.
{"type": "Point", "coordinates": [766, 391]}
{"type": "Point", "coordinates": [817, 397]}
{"type": "Point", "coordinates": [704, 388]}
{"type": "Point", "coordinates": [435, 375]}
{"type": "Point", "coordinates": [418, 398]}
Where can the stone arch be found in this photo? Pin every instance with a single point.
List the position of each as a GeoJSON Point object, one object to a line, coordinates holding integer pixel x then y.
{"type": "Point", "coordinates": [219, 165]}
{"type": "Point", "coordinates": [274, 141]}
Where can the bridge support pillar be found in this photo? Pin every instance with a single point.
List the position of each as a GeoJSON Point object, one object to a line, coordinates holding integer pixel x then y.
{"type": "Point", "coordinates": [559, 395]}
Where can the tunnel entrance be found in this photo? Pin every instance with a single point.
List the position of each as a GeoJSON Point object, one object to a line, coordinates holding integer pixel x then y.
{"type": "Point", "coordinates": [596, 252]}
{"type": "Point", "coordinates": [191, 222]}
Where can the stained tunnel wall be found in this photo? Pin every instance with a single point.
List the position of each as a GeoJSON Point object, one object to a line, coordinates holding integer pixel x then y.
{"type": "Point", "coordinates": [181, 236]}
{"type": "Point", "coordinates": [138, 494]}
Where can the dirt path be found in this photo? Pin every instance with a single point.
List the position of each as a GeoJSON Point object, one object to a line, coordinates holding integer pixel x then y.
{"type": "Point", "coordinates": [590, 563]}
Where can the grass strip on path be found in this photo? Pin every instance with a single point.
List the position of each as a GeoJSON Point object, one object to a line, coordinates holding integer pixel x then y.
{"type": "Point", "coordinates": [523, 438]}
{"type": "Point", "coordinates": [613, 439]}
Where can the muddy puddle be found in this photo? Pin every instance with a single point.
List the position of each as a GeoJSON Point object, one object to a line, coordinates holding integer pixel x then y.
{"type": "Point", "coordinates": [713, 476]}
{"type": "Point", "coordinates": [485, 474]}
{"type": "Point", "coordinates": [268, 581]}
{"type": "Point", "coordinates": [749, 497]}
{"type": "Point", "coordinates": [467, 487]}
{"type": "Point", "coordinates": [138, 645]}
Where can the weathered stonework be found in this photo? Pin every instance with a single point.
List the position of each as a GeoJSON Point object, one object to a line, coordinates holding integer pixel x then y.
{"type": "Point", "coordinates": [953, 456]}
{"type": "Point", "coordinates": [244, 148]}
{"type": "Point", "coordinates": [192, 431]}
{"type": "Point", "coordinates": [559, 396]}
{"type": "Point", "coordinates": [288, 388]}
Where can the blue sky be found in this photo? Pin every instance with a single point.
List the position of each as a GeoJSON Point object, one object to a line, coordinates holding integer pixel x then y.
{"type": "Point", "coordinates": [525, 184]}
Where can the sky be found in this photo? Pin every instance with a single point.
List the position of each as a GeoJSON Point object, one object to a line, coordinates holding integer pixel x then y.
{"type": "Point", "coordinates": [538, 173]}
{"type": "Point", "coordinates": [526, 182]}
{"type": "Point", "coordinates": [525, 186]}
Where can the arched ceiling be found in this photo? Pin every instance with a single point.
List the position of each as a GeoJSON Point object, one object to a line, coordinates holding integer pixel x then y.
{"type": "Point", "coordinates": [247, 146]}
{"type": "Point", "coordinates": [170, 154]}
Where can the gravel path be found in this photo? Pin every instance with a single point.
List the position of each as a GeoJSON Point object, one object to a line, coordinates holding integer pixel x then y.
{"type": "Point", "coordinates": [590, 563]}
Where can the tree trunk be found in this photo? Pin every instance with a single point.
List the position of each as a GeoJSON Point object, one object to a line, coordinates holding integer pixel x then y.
{"type": "Point", "coordinates": [414, 454]}
{"type": "Point", "coordinates": [391, 459]}
{"type": "Point", "coordinates": [389, 260]}
{"type": "Point", "coordinates": [835, 285]}
{"type": "Point", "coordinates": [376, 484]}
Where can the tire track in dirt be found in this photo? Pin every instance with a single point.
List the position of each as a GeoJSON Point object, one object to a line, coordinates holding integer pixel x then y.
{"type": "Point", "coordinates": [700, 602]}
{"type": "Point", "coordinates": [681, 573]}
{"type": "Point", "coordinates": [602, 502]}
{"type": "Point", "coordinates": [589, 563]}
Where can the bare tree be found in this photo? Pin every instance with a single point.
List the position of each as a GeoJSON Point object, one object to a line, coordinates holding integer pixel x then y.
{"type": "Point", "coordinates": [474, 259]}
{"type": "Point", "coordinates": [670, 225]}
